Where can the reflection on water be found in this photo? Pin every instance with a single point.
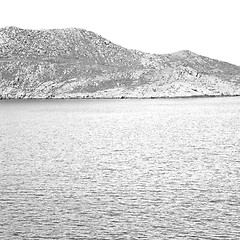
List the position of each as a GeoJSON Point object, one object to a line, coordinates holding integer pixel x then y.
{"type": "Point", "coordinates": [120, 169]}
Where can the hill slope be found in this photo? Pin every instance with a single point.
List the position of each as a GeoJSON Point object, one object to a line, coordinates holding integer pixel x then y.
{"type": "Point", "coordinates": [67, 63]}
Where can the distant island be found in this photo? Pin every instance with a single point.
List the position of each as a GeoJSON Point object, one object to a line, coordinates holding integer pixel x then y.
{"type": "Point", "coordinates": [76, 63]}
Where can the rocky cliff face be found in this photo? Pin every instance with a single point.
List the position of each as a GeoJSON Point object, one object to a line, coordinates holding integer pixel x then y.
{"type": "Point", "coordinates": [75, 63]}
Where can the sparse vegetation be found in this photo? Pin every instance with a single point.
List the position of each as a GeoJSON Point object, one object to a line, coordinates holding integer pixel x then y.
{"type": "Point", "coordinates": [69, 63]}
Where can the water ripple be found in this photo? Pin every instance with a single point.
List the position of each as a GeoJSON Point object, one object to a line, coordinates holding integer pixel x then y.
{"type": "Point", "coordinates": [149, 169]}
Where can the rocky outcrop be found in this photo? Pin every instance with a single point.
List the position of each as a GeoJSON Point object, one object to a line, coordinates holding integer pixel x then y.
{"type": "Point", "coordinates": [75, 63]}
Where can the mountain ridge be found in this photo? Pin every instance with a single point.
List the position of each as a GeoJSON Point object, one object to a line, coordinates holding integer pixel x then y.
{"type": "Point", "coordinates": [76, 63]}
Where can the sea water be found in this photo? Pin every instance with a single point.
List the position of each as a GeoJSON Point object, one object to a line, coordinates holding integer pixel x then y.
{"type": "Point", "coordinates": [120, 169]}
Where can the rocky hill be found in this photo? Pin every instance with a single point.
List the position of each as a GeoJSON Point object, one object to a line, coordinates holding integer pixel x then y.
{"type": "Point", "coordinates": [75, 63]}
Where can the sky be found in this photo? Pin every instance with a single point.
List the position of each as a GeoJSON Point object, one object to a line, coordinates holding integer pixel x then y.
{"type": "Point", "coordinates": [207, 27]}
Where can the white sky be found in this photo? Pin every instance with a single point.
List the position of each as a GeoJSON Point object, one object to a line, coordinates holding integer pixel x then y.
{"type": "Point", "coordinates": [207, 27]}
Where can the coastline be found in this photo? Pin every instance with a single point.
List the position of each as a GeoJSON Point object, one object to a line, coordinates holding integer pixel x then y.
{"type": "Point", "coordinates": [121, 98]}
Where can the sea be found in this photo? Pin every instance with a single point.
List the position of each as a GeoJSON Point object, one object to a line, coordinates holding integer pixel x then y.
{"type": "Point", "coordinates": [120, 169]}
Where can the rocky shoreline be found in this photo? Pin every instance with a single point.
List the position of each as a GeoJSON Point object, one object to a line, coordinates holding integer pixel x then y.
{"type": "Point", "coordinates": [122, 98]}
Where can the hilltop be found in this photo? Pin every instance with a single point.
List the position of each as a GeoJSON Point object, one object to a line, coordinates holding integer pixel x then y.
{"type": "Point", "coordinates": [76, 63]}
